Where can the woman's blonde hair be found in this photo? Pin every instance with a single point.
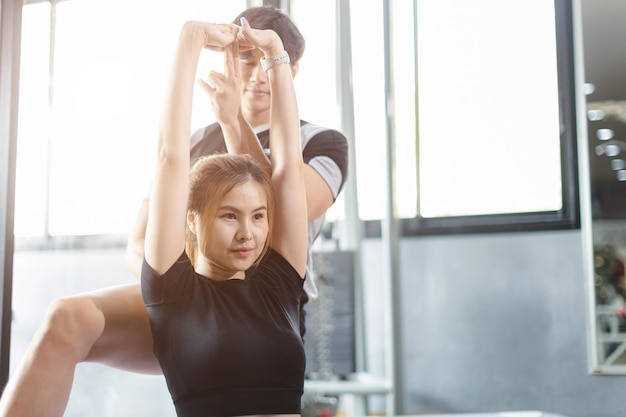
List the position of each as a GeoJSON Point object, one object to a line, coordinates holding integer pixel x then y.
{"type": "Point", "coordinates": [211, 178]}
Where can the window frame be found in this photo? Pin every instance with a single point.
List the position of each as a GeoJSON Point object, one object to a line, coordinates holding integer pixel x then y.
{"type": "Point", "coordinates": [568, 217]}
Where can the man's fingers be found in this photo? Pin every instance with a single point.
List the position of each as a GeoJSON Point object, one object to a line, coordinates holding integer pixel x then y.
{"type": "Point", "coordinates": [215, 78]}
{"type": "Point", "coordinates": [206, 87]}
{"type": "Point", "coordinates": [231, 60]}
{"type": "Point", "coordinates": [235, 59]}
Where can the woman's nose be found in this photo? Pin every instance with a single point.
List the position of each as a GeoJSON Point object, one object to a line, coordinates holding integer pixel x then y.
{"type": "Point", "coordinates": [244, 232]}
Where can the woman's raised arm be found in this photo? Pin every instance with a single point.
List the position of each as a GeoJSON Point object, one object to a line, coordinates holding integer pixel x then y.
{"type": "Point", "coordinates": [289, 235]}
{"type": "Point", "coordinates": [165, 232]}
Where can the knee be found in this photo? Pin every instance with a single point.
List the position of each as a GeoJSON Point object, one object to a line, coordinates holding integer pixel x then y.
{"type": "Point", "coordinates": [72, 324]}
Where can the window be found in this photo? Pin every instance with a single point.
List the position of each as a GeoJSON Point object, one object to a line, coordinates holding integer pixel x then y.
{"type": "Point", "coordinates": [482, 114]}
{"type": "Point", "coordinates": [92, 77]}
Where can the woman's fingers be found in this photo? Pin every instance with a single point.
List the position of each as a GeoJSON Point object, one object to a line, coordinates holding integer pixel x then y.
{"type": "Point", "coordinates": [216, 35]}
{"type": "Point", "coordinates": [265, 40]}
{"type": "Point", "coordinates": [249, 36]}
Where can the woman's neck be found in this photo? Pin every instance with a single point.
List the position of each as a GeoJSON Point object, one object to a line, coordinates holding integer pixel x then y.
{"type": "Point", "coordinates": [215, 272]}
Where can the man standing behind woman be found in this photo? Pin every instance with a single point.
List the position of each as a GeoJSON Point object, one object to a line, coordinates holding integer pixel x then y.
{"type": "Point", "coordinates": [325, 151]}
{"type": "Point", "coordinates": [225, 313]}
{"type": "Point", "coordinates": [110, 326]}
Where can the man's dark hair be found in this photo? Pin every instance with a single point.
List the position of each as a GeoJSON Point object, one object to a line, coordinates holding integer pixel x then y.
{"type": "Point", "coordinates": [268, 17]}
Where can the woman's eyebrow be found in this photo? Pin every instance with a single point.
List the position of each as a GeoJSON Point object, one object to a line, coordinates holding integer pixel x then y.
{"type": "Point", "coordinates": [235, 209]}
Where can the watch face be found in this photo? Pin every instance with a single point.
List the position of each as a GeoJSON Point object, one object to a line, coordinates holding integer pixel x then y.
{"type": "Point", "coordinates": [265, 64]}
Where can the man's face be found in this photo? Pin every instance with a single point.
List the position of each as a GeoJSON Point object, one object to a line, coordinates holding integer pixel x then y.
{"type": "Point", "coordinates": [255, 99]}
{"type": "Point", "coordinates": [256, 89]}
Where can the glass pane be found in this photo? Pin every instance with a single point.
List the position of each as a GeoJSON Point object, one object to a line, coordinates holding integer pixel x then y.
{"type": "Point", "coordinates": [111, 60]}
{"type": "Point", "coordinates": [34, 122]}
{"type": "Point", "coordinates": [316, 81]}
{"type": "Point", "coordinates": [403, 77]}
{"type": "Point", "coordinates": [316, 84]}
{"type": "Point", "coordinates": [369, 106]}
{"type": "Point", "coordinates": [487, 144]}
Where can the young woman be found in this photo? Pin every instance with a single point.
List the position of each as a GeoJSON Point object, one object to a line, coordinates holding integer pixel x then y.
{"type": "Point", "coordinates": [225, 312]}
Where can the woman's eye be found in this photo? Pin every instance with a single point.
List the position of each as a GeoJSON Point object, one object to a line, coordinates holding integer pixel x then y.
{"type": "Point", "coordinates": [230, 216]}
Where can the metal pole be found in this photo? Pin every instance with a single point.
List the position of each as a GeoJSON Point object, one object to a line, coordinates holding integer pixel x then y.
{"type": "Point", "coordinates": [284, 5]}
{"type": "Point", "coordinates": [593, 363]}
{"type": "Point", "coordinates": [390, 233]}
{"type": "Point", "coordinates": [10, 41]}
{"type": "Point", "coordinates": [353, 233]}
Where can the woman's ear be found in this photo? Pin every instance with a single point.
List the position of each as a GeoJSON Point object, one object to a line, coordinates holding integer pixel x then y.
{"type": "Point", "coordinates": [191, 221]}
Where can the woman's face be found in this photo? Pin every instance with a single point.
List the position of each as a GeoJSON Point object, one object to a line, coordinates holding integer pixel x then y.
{"type": "Point", "coordinates": [238, 234]}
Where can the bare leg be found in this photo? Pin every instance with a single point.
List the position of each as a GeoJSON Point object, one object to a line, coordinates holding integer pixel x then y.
{"type": "Point", "coordinates": [109, 326]}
